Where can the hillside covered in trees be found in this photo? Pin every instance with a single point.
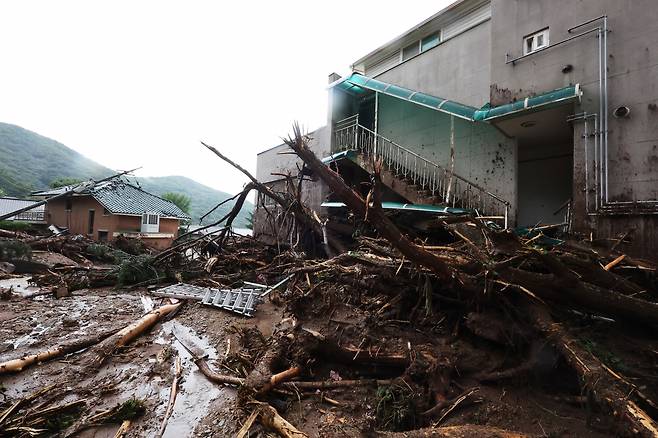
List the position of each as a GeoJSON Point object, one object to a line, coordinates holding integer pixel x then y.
{"type": "Point", "coordinates": [29, 161]}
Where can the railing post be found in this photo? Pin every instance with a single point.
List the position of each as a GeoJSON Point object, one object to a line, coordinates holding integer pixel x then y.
{"type": "Point", "coordinates": [356, 133]}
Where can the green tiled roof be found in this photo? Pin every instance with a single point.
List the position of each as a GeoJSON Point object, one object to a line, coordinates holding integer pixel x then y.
{"type": "Point", "coordinates": [122, 198]}
{"type": "Point", "coordinates": [119, 197]}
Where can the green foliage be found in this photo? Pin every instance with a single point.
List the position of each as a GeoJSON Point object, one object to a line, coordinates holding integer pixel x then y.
{"type": "Point", "coordinates": [128, 410]}
{"type": "Point", "coordinates": [136, 269]}
{"type": "Point", "coordinates": [604, 355]}
{"type": "Point", "coordinates": [2, 192]}
{"type": "Point", "coordinates": [15, 225]}
{"type": "Point", "coordinates": [106, 253]}
{"type": "Point", "coordinates": [250, 220]}
{"type": "Point", "coordinates": [395, 409]}
{"type": "Point", "coordinates": [10, 185]}
{"type": "Point", "coordinates": [65, 181]}
{"type": "Point", "coordinates": [60, 422]}
{"type": "Point", "coordinates": [29, 161]}
{"type": "Point", "coordinates": [182, 201]}
{"type": "Point", "coordinates": [14, 249]}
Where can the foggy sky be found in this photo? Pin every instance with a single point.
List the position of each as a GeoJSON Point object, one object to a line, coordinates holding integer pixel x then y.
{"type": "Point", "coordinates": [139, 83]}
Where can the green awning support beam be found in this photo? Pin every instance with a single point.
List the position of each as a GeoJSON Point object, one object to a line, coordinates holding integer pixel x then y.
{"type": "Point", "coordinates": [425, 208]}
{"type": "Point", "coordinates": [358, 84]}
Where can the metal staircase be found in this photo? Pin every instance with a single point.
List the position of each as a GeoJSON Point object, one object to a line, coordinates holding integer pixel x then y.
{"type": "Point", "coordinates": [443, 186]}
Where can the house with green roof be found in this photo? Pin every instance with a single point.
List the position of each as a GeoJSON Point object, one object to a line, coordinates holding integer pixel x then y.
{"type": "Point", "coordinates": [114, 208]}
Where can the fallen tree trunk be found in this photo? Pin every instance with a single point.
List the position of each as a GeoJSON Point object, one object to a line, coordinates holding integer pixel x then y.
{"type": "Point", "coordinates": [271, 418]}
{"type": "Point", "coordinates": [130, 332]}
{"type": "Point", "coordinates": [466, 430]}
{"type": "Point", "coordinates": [17, 365]}
{"type": "Point", "coordinates": [360, 206]}
{"type": "Point", "coordinates": [606, 387]}
{"type": "Point", "coordinates": [297, 209]}
{"type": "Point", "coordinates": [584, 295]}
{"type": "Point", "coordinates": [172, 396]}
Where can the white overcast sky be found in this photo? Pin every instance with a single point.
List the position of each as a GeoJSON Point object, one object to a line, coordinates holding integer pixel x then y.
{"type": "Point", "coordinates": [139, 83]}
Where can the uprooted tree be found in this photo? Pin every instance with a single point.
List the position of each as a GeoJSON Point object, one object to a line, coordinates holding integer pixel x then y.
{"type": "Point", "coordinates": [544, 281]}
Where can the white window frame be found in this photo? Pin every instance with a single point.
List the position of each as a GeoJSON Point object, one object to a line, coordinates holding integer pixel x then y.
{"type": "Point", "coordinates": [532, 39]}
{"type": "Point", "coordinates": [419, 44]}
{"type": "Point", "coordinates": [150, 222]}
{"type": "Point", "coordinates": [437, 34]}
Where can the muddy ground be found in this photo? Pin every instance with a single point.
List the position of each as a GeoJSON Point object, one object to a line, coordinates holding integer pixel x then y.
{"type": "Point", "coordinates": [145, 369]}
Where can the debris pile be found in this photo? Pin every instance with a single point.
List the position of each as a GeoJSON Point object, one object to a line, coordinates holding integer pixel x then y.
{"type": "Point", "coordinates": [475, 332]}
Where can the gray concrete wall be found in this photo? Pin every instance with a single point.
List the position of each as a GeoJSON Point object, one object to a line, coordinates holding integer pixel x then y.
{"type": "Point", "coordinates": [275, 160]}
{"type": "Point", "coordinates": [632, 69]}
{"type": "Point", "coordinates": [482, 154]}
{"type": "Point", "coordinates": [272, 161]}
{"type": "Point", "coordinates": [457, 69]}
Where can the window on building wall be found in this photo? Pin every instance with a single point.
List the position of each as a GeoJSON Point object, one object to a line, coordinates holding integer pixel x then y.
{"type": "Point", "coordinates": [430, 41]}
{"type": "Point", "coordinates": [535, 41]}
{"type": "Point", "coordinates": [411, 50]}
{"type": "Point", "coordinates": [420, 46]}
{"type": "Point", "coordinates": [69, 204]}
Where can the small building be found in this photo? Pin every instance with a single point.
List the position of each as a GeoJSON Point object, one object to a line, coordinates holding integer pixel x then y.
{"type": "Point", "coordinates": [35, 215]}
{"type": "Point", "coordinates": [115, 208]}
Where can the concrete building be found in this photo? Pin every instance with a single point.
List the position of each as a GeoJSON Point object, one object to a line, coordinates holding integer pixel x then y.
{"type": "Point", "coordinates": [527, 111]}
{"type": "Point", "coordinates": [115, 208]}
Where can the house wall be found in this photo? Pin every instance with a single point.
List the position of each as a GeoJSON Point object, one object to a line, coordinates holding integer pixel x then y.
{"type": "Point", "coordinates": [457, 69]}
{"type": "Point", "coordinates": [632, 81]}
{"type": "Point", "coordinates": [483, 155]}
{"type": "Point", "coordinates": [77, 221]}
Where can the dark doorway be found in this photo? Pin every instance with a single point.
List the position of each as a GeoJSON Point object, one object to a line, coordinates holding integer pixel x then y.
{"type": "Point", "coordinates": [545, 182]}
{"type": "Point", "coordinates": [367, 112]}
{"type": "Point", "coordinates": [102, 236]}
{"type": "Point", "coordinates": [90, 227]}
{"type": "Point", "coordinates": [544, 164]}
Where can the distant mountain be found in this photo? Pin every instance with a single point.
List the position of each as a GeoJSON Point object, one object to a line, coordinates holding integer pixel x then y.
{"type": "Point", "coordinates": [29, 161]}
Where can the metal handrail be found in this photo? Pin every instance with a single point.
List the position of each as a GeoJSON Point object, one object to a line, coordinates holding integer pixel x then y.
{"type": "Point", "coordinates": [452, 188]}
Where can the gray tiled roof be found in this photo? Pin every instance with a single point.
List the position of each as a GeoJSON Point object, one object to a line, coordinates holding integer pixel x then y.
{"type": "Point", "coordinates": [122, 198]}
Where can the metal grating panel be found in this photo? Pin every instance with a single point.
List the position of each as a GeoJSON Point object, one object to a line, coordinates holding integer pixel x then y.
{"type": "Point", "coordinates": [242, 301]}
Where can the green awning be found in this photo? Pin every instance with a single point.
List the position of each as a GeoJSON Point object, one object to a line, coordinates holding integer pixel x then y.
{"type": "Point", "coordinates": [359, 84]}
{"type": "Point", "coordinates": [350, 154]}
{"type": "Point", "coordinates": [529, 104]}
{"type": "Point", "coordinates": [426, 208]}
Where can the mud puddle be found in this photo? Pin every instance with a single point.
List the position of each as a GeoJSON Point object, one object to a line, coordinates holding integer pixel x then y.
{"type": "Point", "coordinates": [196, 392]}
{"type": "Point", "coordinates": [20, 285]}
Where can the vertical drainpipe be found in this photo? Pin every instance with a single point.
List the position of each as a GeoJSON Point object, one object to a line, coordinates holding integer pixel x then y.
{"type": "Point", "coordinates": [605, 92]}
{"type": "Point", "coordinates": [602, 162]}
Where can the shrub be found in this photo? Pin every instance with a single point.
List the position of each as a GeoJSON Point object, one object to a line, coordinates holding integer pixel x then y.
{"type": "Point", "coordinates": [14, 249]}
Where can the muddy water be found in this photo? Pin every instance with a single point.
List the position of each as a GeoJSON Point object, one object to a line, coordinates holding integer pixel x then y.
{"type": "Point", "coordinates": [196, 392]}
{"type": "Point", "coordinates": [20, 285]}
{"type": "Point", "coordinates": [31, 325]}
